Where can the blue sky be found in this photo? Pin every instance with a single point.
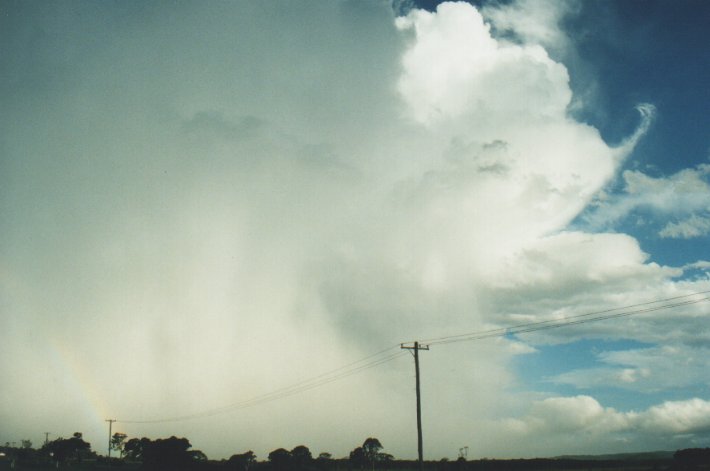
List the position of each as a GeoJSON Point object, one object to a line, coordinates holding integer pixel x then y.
{"type": "Point", "coordinates": [637, 52]}
{"type": "Point", "coordinates": [202, 204]}
{"type": "Point", "coordinates": [652, 52]}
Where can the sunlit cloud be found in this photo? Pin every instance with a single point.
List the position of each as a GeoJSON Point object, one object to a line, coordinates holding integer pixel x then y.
{"type": "Point", "coordinates": [684, 196]}
{"type": "Point", "coordinates": [569, 418]}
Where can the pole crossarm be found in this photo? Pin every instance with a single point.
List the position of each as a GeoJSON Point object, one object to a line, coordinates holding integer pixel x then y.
{"type": "Point", "coordinates": [413, 346]}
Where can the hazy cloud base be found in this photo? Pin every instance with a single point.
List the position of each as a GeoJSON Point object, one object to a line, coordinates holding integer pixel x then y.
{"type": "Point", "coordinates": [202, 205]}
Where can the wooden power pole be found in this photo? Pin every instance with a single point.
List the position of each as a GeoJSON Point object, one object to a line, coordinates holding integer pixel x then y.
{"type": "Point", "coordinates": [110, 425]}
{"type": "Point", "coordinates": [415, 348]}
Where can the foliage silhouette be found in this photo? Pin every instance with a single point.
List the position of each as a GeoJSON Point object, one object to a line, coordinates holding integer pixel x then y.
{"type": "Point", "coordinates": [369, 454]}
{"type": "Point", "coordinates": [691, 458]}
{"type": "Point", "coordinates": [62, 450]}
{"type": "Point", "coordinates": [133, 448]}
{"type": "Point", "coordinates": [176, 454]}
{"type": "Point", "coordinates": [164, 454]}
{"type": "Point", "coordinates": [371, 447]}
{"type": "Point", "coordinates": [118, 440]}
{"type": "Point", "coordinates": [280, 459]}
{"type": "Point", "coordinates": [358, 458]}
{"type": "Point", "coordinates": [301, 457]}
{"type": "Point", "coordinates": [242, 462]}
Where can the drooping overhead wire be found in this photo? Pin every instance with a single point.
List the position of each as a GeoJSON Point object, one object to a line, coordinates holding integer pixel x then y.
{"type": "Point", "coordinates": [623, 311]}
{"type": "Point", "coordinates": [391, 353]}
{"type": "Point", "coordinates": [370, 361]}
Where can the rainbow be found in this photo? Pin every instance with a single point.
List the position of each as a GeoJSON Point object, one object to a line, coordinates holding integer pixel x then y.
{"type": "Point", "coordinates": [78, 380]}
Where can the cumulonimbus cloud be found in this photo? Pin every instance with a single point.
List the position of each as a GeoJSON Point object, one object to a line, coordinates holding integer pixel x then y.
{"type": "Point", "coordinates": [274, 193]}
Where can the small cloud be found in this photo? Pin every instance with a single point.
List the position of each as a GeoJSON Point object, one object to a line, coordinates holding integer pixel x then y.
{"type": "Point", "coordinates": [694, 226]}
{"type": "Point", "coordinates": [631, 375]}
{"type": "Point", "coordinates": [699, 265]}
{"type": "Point", "coordinates": [685, 194]}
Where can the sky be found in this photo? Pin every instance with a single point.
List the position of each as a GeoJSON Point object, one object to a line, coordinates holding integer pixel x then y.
{"type": "Point", "coordinates": [204, 204]}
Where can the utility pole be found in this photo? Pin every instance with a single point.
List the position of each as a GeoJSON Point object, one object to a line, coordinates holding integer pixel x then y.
{"type": "Point", "coordinates": [463, 453]}
{"type": "Point", "coordinates": [110, 425]}
{"type": "Point", "coordinates": [416, 347]}
{"type": "Point", "coordinates": [46, 438]}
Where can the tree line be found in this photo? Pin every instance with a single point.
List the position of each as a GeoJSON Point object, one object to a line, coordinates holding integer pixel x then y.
{"type": "Point", "coordinates": [176, 454]}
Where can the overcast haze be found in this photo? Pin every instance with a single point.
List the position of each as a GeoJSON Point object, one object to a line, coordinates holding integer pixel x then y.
{"type": "Point", "coordinates": [204, 202]}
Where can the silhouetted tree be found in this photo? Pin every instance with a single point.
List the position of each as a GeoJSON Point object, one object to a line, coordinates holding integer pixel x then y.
{"type": "Point", "coordinates": [301, 457]}
{"type": "Point", "coordinates": [280, 459]}
{"type": "Point", "coordinates": [358, 458]}
{"type": "Point", "coordinates": [25, 453]}
{"type": "Point", "coordinates": [371, 447]}
{"type": "Point", "coordinates": [62, 449]}
{"type": "Point", "coordinates": [118, 440]}
{"type": "Point", "coordinates": [369, 453]}
{"type": "Point", "coordinates": [324, 461]}
{"type": "Point", "coordinates": [133, 448]}
{"type": "Point", "coordinates": [242, 462]}
{"type": "Point", "coordinates": [168, 454]}
{"type": "Point", "coordinates": [691, 458]}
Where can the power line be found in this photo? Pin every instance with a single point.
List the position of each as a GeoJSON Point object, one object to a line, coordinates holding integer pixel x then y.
{"type": "Point", "coordinates": [542, 325]}
{"type": "Point", "coordinates": [342, 372]}
{"type": "Point", "coordinates": [623, 311]}
{"type": "Point", "coordinates": [387, 355]}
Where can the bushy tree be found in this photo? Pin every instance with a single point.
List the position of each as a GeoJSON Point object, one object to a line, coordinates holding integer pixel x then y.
{"type": "Point", "coordinates": [242, 462]}
{"type": "Point", "coordinates": [371, 447]}
{"type": "Point", "coordinates": [358, 458]}
{"type": "Point", "coordinates": [369, 453]}
{"type": "Point", "coordinates": [62, 449]}
{"type": "Point", "coordinates": [133, 448]}
{"type": "Point", "coordinates": [301, 457]}
{"type": "Point", "coordinates": [118, 440]}
{"type": "Point", "coordinates": [280, 459]}
{"type": "Point", "coordinates": [26, 453]}
{"type": "Point", "coordinates": [691, 458]}
{"type": "Point", "coordinates": [168, 454]}
{"type": "Point", "coordinates": [163, 454]}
